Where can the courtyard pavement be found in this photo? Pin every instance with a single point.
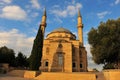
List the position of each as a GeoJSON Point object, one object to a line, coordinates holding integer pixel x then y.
{"type": "Point", "coordinates": [7, 77]}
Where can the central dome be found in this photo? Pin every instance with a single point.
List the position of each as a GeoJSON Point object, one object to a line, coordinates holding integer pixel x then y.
{"type": "Point", "coordinates": [61, 30]}
{"type": "Point", "coordinates": [61, 33]}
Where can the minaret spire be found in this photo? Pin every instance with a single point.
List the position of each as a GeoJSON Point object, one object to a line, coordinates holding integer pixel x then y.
{"type": "Point", "coordinates": [43, 21]}
{"type": "Point", "coordinates": [80, 28]}
{"type": "Point", "coordinates": [44, 12]}
{"type": "Point", "coordinates": [79, 15]}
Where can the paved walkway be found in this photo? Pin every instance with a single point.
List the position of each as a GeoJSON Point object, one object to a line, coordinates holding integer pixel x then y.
{"type": "Point", "coordinates": [100, 76]}
{"type": "Point", "coordinates": [7, 77]}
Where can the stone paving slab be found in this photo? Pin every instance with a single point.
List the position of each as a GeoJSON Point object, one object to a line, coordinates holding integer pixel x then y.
{"type": "Point", "coordinates": [7, 77]}
{"type": "Point", "coordinates": [100, 76]}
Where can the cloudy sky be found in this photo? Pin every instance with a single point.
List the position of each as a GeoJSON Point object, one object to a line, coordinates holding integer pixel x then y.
{"type": "Point", "coordinates": [20, 19]}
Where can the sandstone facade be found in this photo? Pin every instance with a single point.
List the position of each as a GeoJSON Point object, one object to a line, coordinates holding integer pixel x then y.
{"type": "Point", "coordinates": [62, 52]}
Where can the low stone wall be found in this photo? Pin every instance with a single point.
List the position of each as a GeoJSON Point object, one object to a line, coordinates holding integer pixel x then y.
{"type": "Point", "coordinates": [112, 74]}
{"type": "Point", "coordinates": [66, 76]}
{"type": "Point", "coordinates": [18, 73]}
{"type": "Point", "coordinates": [31, 74]}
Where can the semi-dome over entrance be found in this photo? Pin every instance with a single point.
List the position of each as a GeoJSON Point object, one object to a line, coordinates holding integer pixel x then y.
{"type": "Point", "coordinates": [61, 33]}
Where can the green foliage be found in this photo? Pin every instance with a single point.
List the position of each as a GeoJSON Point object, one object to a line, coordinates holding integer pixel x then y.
{"type": "Point", "coordinates": [105, 42]}
{"type": "Point", "coordinates": [21, 60]}
{"type": "Point", "coordinates": [94, 69]}
{"type": "Point", "coordinates": [7, 56]}
{"type": "Point", "coordinates": [109, 66]}
{"type": "Point", "coordinates": [36, 53]}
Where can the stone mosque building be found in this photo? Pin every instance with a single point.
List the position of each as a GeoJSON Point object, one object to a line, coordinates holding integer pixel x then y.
{"type": "Point", "coordinates": [62, 52]}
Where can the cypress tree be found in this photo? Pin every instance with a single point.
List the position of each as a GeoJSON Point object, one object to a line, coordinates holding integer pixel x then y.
{"type": "Point", "coordinates": [36, 53]}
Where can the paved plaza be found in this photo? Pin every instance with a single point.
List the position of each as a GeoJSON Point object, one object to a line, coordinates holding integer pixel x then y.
{"type": "Point", "coordinates": [7, 77]}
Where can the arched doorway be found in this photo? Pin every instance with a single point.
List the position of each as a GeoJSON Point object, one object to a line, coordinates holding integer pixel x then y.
{"type": "Point", "coordinates": [60, 61]}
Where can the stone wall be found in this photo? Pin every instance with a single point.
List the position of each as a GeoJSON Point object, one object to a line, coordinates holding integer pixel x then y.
{"type": "Point", "coordinates": [31, 74]}
{"type": "Point", "coordinates": [18, 73]}
{"type": "Point", "coordinates": [112, 74]}
{"type": "Point", "coordinates": [66, 76]}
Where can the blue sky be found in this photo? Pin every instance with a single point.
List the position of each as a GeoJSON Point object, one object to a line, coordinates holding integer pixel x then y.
{"type": "Point", "coordinates": [20, 19]}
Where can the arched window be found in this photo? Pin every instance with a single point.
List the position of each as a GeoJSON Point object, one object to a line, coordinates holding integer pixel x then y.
{"type": "Point", "coordinates": [73, 64]}
{"type": "Point", "coordinates": [60, 45]}
{"type": "Point", "coordinates": [46, 63]}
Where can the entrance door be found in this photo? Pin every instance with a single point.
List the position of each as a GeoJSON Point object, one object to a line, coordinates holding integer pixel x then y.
{"type": "Point", "coordinates": [61, 62]}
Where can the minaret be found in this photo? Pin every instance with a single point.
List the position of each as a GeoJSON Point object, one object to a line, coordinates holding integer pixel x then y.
{"type": "Point", "coordinates": [43, 22]}
{"type": "Point", "coordinates": [80, 28]}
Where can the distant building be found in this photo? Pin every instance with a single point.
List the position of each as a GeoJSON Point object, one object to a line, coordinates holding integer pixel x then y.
{"type": "Point", "coordinates": [62, 52]}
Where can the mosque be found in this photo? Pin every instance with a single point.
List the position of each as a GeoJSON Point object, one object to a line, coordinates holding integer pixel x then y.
{"type": "Point", "coordinates": [62, 52]}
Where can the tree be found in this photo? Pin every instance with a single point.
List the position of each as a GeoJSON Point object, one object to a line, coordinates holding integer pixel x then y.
{"type": "Point", "coordinates": [94, 69]}
{"type": "Point", "coordinates": [109, 66]}
{"type": "Point", "coordinates": [21, 60]}
{"type": "Point", "coordinates": [36, 53]}
{"type": "Point", "coordinates": [105, 43]}
{"type": "Point", "coordinates": [7, 56]}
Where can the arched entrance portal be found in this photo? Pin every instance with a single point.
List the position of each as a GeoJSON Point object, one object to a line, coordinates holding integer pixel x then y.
{"type": "Point", "coordinates": [61, 61]}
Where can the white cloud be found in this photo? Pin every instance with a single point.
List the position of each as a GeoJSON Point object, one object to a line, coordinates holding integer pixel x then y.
{"type": "Point", "coordinates": [13, 12]}
{"type": "Point", "coordinates": [70, 10]}
{"type": "Point", "coordinates": [73, 1]}
{"type": "Point", "coordinates": [59, 13]}
{"type": "Point", "coordinates": [117, 2]}
{"type": "Point", "coordinates": [16, 40]}
{"type": "Point", "coordinates": [88, 50]}
{"type": "Point", "coordinates": [6, 1]}
{"type": "Point", "coordinates": [56, 6]}
{"type": "Point", "coordinates": [35, 14]}
{"type": "Point", "coordinates": [78, 5]}
{"type": "Point", "coordinates": [103, 14]}
{"type": "Point", "coordinates": [58, 20]}
{"type": "Point", "coordinates": [91, 63]}
{"type": "Point", "coordinates": [35, 4]}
